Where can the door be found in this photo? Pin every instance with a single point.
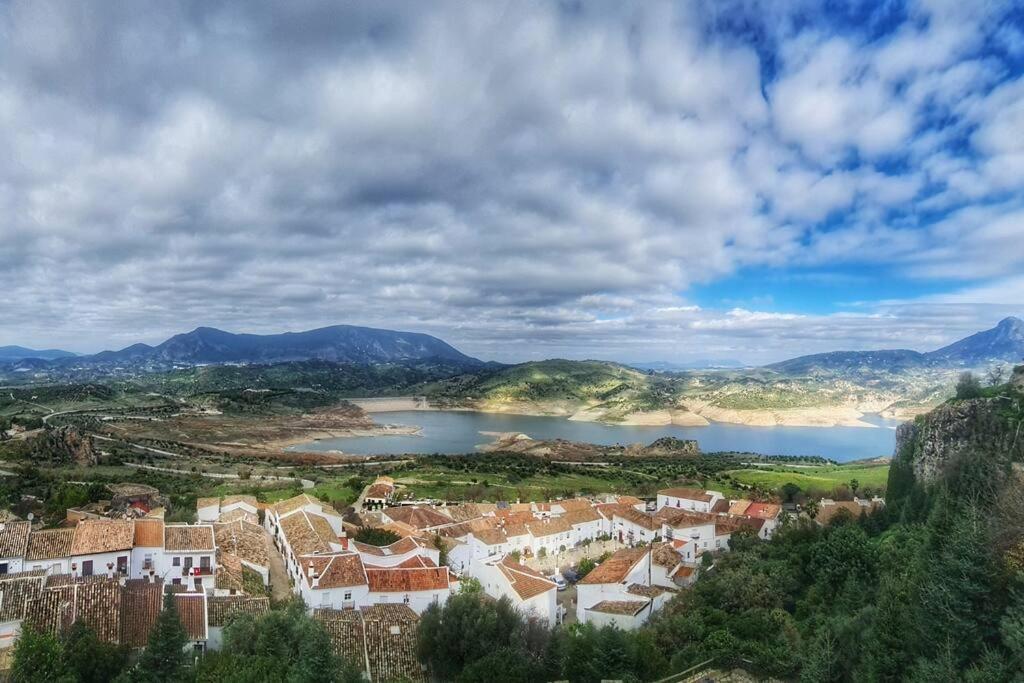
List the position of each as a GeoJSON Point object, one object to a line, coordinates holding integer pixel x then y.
{"type": "Point", "coordinates": [87, 568]}
{"type": "Point", "coordinates": [122, 565]}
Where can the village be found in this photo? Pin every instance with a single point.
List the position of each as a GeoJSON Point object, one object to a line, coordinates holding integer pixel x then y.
{"type": "Point", "coordinates": [111, 564]}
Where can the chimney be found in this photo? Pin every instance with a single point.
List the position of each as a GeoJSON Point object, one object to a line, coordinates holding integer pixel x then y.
{"type": "Point", "coordinates": [110, 570]}
{"type": "Point", "coordinates": [152, 576]}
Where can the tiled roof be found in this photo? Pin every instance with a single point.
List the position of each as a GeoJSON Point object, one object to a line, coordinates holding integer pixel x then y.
{"type": "Point", "coordinates": [345, 627]}
{"type": "Point", "coordinates": [764, 510]}
{"type": "Point", "coordinates": [550, 527]}
{"type": "Point", "coordinates": [628, 500]}
{"type": "Point", "coordinates": [379, 491]}
{"type": "Point", "coordinates": [184, 537]}
{"type": "Point", "coordinates": [228, 501]}
{"type": "Point", "coordinates": [14, 538]}
{"type": "Point", "coordinates": [221, 608]}
{"type": "Point", "coordinates": [247, 541]}
{"type": "Point", "coordinates": [680, 519]}
{"type": "Point", "coordinates": [238, 514]}
{"type": "Point", "coordinates": [335, 571]}
{"type": "Point", "coordinates": [827, 511]}
{"type": "Point", "coordinates": [141, 603]}
{"type": "Point", "coordinates": [721, 506]}
{"type": "Point", "coordinates": [15, 594]}
{"type": "Point", "coordinates": [399, 580]}
{"type": "Point", "coordinates": [739, 507]}
{"type": "Point", "coordinates": [686, 494]}
{"type": "Point", "coordinates": [526, 582]}
{"type": "Point", "coordinates": [729, 525]}
{"type": "Point", "coordinates": [399, 547]}
{"type": "Point", "coordinates": [581, 516]}
{"type": "Point", "coordinates": [94, 536]}
{"type": "Point", "coordinates": [50, 544]}
{"type": "Point", "coordinates": [207, 503]}
{"type": "Point", "coordinates": [572, 504]}
{"type": "Point", "coordinates": [627, 607]}
{"type": "Point", "coordinates": [418, 517]}
{"type": "Point", "coordinates": [390, 641]}
{"type": "Point", "coordinates": [490, 536]}
{"type": "Point", "coordinates": [464, 512]}
{"type": "Point", "coordinates": [192, 613]}
{"type": "Point", "coordinates": [664, 556]}
{"type": "Point", "coordinates": [641, 519]}
{"type": "Point", "coordinates": [615, 568]}
{"type": "Point", "coordinates": [149, 533]}
{"type": "Point", "coordinates": [96, 603]}
{"type": "Point", "coordinates": [308, 533]}
{"type": "Point", "coordinates": [229, 573]}
{"type": "Point", "coordinates": [648, 591]}
{"type": "Point", "coordinates": [292, 504]}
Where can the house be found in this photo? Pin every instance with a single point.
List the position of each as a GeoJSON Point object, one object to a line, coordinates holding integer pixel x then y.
{"type": "Point", "coordinates": [50, 550]}
{"type": "Point", "coordinates": [221, 610]}
{"type": "Point", "coordinates": [248, 543]}
{"type": "Point", "coordinates": [148, 549]}
{"type": "Point", "coordinates": [207, 509]}
{"type": "Point", "coordinates": [192, 611]}
{"type": "Point", "coordinates": [418, 583]}
{"type": "Point", "coordinates": [828, 509]}
{"type": "Point", "coordinates": [189, 555]}
{"type": "Point", "coordinates": [684, 525]}
{"type": "Point", "coordinates": [688, 499]}
{"type": "Point", "coordinates": [15, 591]}
{"type": "Point", "coordinates": [102, 546]}
{"type": "Point", "coordinates": [531, 592]}
{"type": "Point", "coordinates": [141, 603]}
{"type": "Point", "coordinates": [422, 518]}
{"type": "Point", "coordinates": [549, 536]}
{"type": "Point", "coordinates": [398, 552]}
{"type": "Point", "coordinates": [337, 581]}
{"type": "Point", "coordinates": [673, 564]}
{"type": "Point", "coordinates": [381, 639]}
{"type": "Point", "coordinates": [380, 493]}
{"type": "Point", "coordinates": [13, 544]}
{"type": "Point", "coordinates": [631, 526]}
{"type": "Point", "coordinates": [228, 509]}
{"type": "Point", "coordinates": [604, 597]}
{"type": "Point", "coordinates": [585, 523]}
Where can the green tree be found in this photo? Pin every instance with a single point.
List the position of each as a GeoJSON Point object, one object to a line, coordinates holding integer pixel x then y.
{"type": "Point", "coordinates": [163, 660]}
{"type": "Point", "coordinates": [39, 656]}
{"type": "Point", "coordinates": [375, 536]}
{"type": "Point", "coordinates": [92, 660]}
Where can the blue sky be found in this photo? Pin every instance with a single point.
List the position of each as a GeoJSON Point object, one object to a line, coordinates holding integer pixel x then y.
{"type": "Point", "coordinates": [633, 181]}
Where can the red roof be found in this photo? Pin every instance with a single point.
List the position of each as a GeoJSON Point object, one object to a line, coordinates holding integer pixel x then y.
{"type": "Point", "coordinates": [402, 580]}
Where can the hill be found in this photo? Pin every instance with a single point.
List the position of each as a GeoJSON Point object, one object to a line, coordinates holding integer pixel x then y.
{"type": "Point", "coordinates": [12, 353]}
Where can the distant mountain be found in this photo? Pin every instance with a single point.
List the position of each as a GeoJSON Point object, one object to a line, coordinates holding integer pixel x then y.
{"type": "Point", "coordinates": [702, 364]}
{"type": "Point", "coordinates": [1004, 343]}
{"type": "Point", "coordinates": [339, 343]}
{"type": "Point", "coordinates": [10, 353]}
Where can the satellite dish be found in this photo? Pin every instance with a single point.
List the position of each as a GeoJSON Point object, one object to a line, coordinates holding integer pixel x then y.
{"type": "Point", "coordinates": [31, 516]}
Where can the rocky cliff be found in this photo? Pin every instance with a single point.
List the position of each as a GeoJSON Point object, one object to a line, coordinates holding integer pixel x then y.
{"type": "Point", "coordinates": [990, 425]}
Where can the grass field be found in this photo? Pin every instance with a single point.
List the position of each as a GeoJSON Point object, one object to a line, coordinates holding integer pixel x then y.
{"type": "Point", "coordinates": [823, 478]}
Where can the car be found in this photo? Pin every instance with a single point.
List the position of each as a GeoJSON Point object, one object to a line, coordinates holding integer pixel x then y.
{"type": "Point", "coordinates": [560, 583]}
{"type": "Point", "coordinates": [571, 575]}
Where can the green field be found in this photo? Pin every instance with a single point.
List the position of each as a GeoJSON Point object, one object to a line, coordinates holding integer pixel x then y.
{"type": "Point", "coordinates": [821, 478]}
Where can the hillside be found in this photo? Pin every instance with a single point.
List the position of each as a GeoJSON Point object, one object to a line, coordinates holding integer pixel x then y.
{"type": "Point", "coordinates": [10, 353]}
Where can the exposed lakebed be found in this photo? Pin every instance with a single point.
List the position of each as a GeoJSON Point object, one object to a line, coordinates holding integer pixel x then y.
{"type": "Point", "coordinates": [463, 431]}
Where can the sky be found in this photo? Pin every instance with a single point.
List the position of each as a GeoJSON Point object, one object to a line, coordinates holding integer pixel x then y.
{"type": "Point", "coordinates": [628, 181]}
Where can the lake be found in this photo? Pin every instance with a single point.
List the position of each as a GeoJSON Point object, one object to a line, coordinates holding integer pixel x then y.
{"type": "Point", "coordinates": [460, 432]}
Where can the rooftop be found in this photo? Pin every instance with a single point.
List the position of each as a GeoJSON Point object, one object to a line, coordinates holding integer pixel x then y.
{"type": "Point", "coordinates": [220, 609]}
{"type": "Point", "coordinates": [94, 536]}
{"type": "Point", "coordinates": [687, 494]}
{"type": "Point", "coordinates": [149, 533]}
{"type": "Point", "coordinates": [418, 517]}
{"type": "Point", "coordinates": [402, 580]}
{"type": "Point", "coordinates": [627, 607]}
{"type": "Point", "coordinates": [14, 538]}
{"type": "Point", "coordinates": [616, 568]}
{"type": "Point", "coordinates": [50, 544]}
{"type": "Point", "coordinates": [334, 571]}
{"type": "Point", "coordinates": [185, 537]}
{"type": "Point", "coordinates": [526, 582]}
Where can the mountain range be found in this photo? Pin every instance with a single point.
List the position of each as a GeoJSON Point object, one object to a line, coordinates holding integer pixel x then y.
{"type": "Point", "coordinates": [1003, 343]}
{"type": "Point", "coordinates": [11, 353]}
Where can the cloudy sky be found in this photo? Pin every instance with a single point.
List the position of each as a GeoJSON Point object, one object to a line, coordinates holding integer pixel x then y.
{"type": "Point", "coordinates": [634, 181]}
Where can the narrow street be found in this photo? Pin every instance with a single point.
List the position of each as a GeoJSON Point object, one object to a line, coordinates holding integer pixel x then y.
{"type": "Point", "coordinates": [280, 586]}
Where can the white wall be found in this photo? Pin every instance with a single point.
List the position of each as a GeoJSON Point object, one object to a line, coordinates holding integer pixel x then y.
{"type": "Point", "coordinates": [494, 583]}
{"type": "Point", "coordinates": [100, 560]}
{"type": "Point", "coordinates": [14, 564]}
{"type": "Point", "coordinates": [208, 513]}
{"type": "Point", "coordinates": [419, 601]}
{"type": "Point", "coordinates": [589, 594]}
{"type": "Point", "coordinates": [626, 622]}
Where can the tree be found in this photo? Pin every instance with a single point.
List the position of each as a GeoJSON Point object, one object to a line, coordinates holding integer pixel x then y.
{"type": "Point", "coordinates": [163, 659]}
{"type": "Point", "coordinates": [585, 566]}
{"type": "Point", "coordinates": [968, 386]}
{"type": "Point", "coordinates": [375, 536]}
{"type": "Point", "coordinates": [92, 660]}
{"type": "Point", "coordinates": [39, 656]}
{"type": "Point", "coordinates": [996, 375]}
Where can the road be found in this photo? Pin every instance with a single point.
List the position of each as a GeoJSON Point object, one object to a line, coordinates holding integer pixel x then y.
{"type": "Point", "coordinates": [306, 483]}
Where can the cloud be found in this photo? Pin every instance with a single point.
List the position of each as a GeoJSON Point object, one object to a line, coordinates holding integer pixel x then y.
{"type": "Point", "coordinates": [546, 178]}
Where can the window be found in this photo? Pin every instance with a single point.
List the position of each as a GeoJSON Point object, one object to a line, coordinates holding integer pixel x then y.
{"type": "Point", "coordinates": [406, 599]}
{"type": "Point", "coordinates": [176, 561]}
{"type": "Point", "coordinates": [204, 562]}
{"type": "Point", "coordinates": [3, 567]}
{"type": "Point", "coordinates": [122, 565]}
{"type": "Point", "coordinates": [199, 584]}
{"type": "Point", "coordinates": [348, 595]}
{"type": "Point", "coordinates": [87, 568]}
{"type": "Point", "coordinates": [176, 582]}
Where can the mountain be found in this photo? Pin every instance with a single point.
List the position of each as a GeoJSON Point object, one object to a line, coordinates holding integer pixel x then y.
{"type": "Point", "coordinates": [700, 364]}
{"type": "Point", "coordinates": [11, 353]}
{"type": "Point", "coordinates": [1003, 343]}
{"type": "Point", "coordinates": [339, 343]}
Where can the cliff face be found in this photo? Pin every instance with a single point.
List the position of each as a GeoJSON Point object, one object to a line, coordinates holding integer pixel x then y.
{"type": "Point", "coordinates": [991, 426]}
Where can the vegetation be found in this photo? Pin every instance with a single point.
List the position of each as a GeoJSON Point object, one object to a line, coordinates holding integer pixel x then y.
{"type": "Point", "coordinates": [76, 657]}
{"type": "Point", "coordinates": [375, 536]}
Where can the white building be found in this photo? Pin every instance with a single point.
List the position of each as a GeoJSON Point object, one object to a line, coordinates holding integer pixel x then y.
{"type": "Point", "coordinates": [102, 546]}
{"type": "Point", "coordinates": [13, 544]}
{"type": "Point", "coordinates": [617, 591]}
{"type": "Point", "coordinates": [50, 550]}
{"type": "Point", "coordinates": [688, 499]}
{"type": "Point", "coordinates": [534, 595]}
{"type": "Point", "coordinates": [189, 555]}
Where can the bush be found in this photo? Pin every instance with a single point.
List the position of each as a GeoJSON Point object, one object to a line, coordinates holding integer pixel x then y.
{"type": "Point", "coordinates": [379, 537]}
{"type": "Point", "coordinates": [968, 386]}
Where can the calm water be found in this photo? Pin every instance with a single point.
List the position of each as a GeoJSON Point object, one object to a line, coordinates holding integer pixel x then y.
{"type": "Point", "coordinates": [460, 432]}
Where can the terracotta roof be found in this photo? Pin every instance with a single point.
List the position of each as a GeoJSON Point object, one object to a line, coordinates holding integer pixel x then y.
{"type": "Point", "coordinates": [335, 571]}
{"type": "Point", "coordinates": [292, 504]}
{"type": "Point", "coordinates": [721, 506]}
{"type": "Point", "coordinates": [228, 575]}
{"type": "Point", "coordinates": [556, 525]}
{"type": "Point", "coordinates": [221, 608]}
{"type": "Point", "coordinates": [581, 516]}
{"type": "Point", "coordinates": [238, 515]}
{"type": "Point", "coordinates": [680, 519]}
{"type": "Point", "coordinates": [739, 507]}
{"type": "Point", "coordinates": [729, 525]}
{"type": "Point", "coordinates": [247, 541]}
{"type": "Point", "coordinates": [687, 494]}
{"type": "Point", "coordinates": [665, 556]}
{"type": "Point", "coordinates": [15, 594]}
{"type": "Point", "coordinates": [764, 510]}
{"type": "Point", "coordinates": [418, 517]}
{"type": "Point", "coordinates": [627, 607]}
{"type": "Point", "coordinates": [192, 613]}
{"type": "Point", "coordinates": [94, 536]}
{"type": "Point", "coordinates": [141, 604]}
{"type": "Point", "coordinates": [96, 603]}
{"type": "Point", "coordinates": [381, 491]}
{"type": "Point", "coordinates": [628, 500]}
{"type": "Point", "coordinates": [207, 502]}
{"type": "Point", "coordinates": [391, 640]}
{"type": "Point", "coordinates": [184, 538]}
{"type": "Point", "coordinates": [572, 504]}
{"type": "Point", "coordinates": [345, 627]}
{"type": "Point", "coordinates": [616, 568]}
{"type": "Point", "coordinates": [827, 511]}
{"type": "Point", "coordinates": [526, 582]}
{"type": "Point", "coordinates": [308, 533]}
{"type": "Point", "coordinates": [648, 591]}
{"type": "Point", "coordinates": [14, 538]}
{"type": "Point", "coordinates": [641, 519]}
{"type": "Point", "coordinates": [398, 580]}
{"type": "Point", "coordinates": [228, 501]}
{"type": "Point", "coordinates": [490, 536]}
{"type": "Point", "coordinates": [149, 533]}
{"type": "Point", "coordinates": [50, 544]}
{"type": "Point", "coordinates": [463, 512]}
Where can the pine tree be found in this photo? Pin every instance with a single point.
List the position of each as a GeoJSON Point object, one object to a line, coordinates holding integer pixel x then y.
{"type": "Point", "coordinates": [164, 657]}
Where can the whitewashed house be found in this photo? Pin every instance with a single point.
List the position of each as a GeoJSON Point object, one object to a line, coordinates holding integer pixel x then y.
{"type": "Point", "coordinates": [102, 547]}
{"type": "Point", "coordinates": [50, 550]}
{"type": "Point", "coordinates": [688, 499]}
{"type": "Point", "coordinates": [617, 591]}
{"type": "Point", "coordinates": [13, 544]}
{"type": "Point", "coordinates": [534, 595]}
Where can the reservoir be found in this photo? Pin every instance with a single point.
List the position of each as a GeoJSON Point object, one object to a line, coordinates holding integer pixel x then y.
{"type": "Point", "coordinates": [461, 432]}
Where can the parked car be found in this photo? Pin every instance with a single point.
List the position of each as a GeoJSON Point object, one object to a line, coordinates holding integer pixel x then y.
{"type": "Point", "coordinates": [571, 575]}
{"type": "Point", "coordinates": [560, 583]}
